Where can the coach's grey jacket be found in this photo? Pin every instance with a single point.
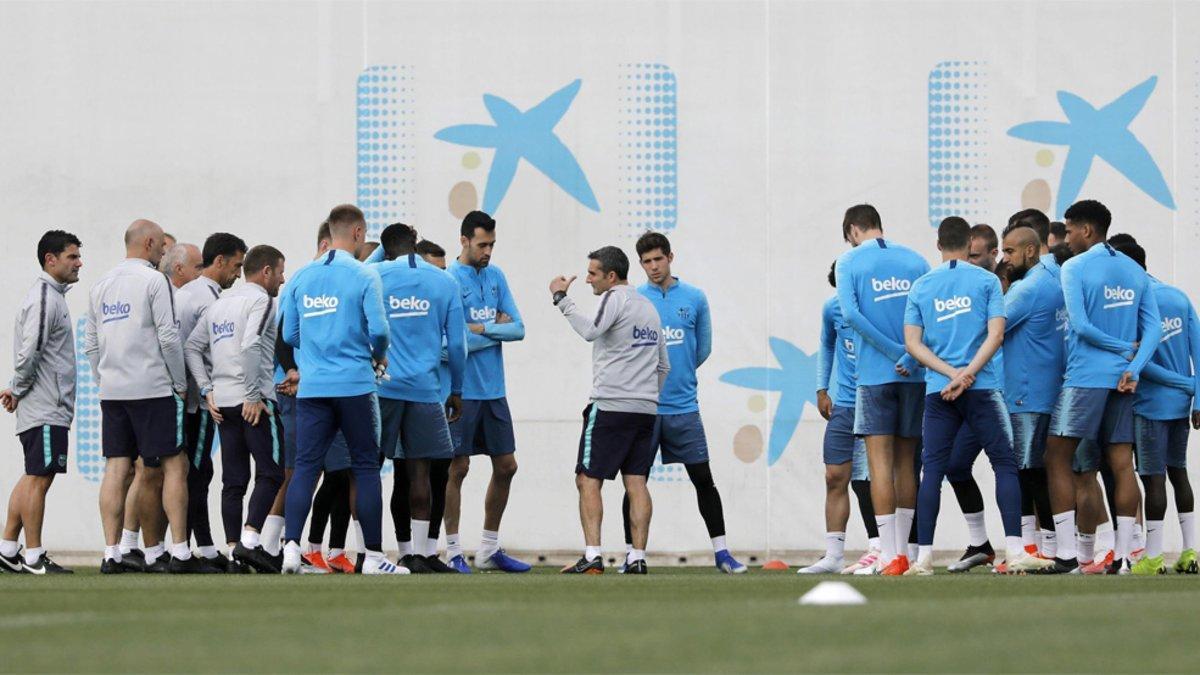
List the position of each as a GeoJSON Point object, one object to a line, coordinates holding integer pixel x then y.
{"type": "Point", "coordinates": [232, 348]}
{"type": "Point", "coordinates": [191, 301]}
{"type": "Point", "coordinates": [629, 351]}
{"type": "Point", "coordinates": [44, 357]}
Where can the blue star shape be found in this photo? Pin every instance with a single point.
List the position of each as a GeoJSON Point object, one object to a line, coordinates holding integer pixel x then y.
{"type": "Point", "coordinates": [793, 380]}
{"type": "Point", "coordinates": [1104, 133]}
{"type": "Point", "coordinates": [525, 135]}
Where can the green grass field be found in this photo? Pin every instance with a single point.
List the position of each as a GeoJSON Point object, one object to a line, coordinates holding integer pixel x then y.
{"type": "Point", "coordinates": [674, 620]}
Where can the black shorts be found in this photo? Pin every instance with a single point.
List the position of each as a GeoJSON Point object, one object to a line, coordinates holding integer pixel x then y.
{"type": "Point", "coordinates": [45, 450]}
{"type": "Point", "coordinates": [150, 428]}
{"type": "Point", "coordinates": [615, 441]}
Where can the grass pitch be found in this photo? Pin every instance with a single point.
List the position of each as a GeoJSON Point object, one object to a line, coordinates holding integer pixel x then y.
{"type": "Point", "coordinates": [674, 620]}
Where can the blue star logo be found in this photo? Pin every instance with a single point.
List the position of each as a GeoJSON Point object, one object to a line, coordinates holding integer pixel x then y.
{"type": "Point", "coordinates": [1104, 133]}
{"type": "Point", "coordinates": [525, 135]}
{"type": "Point", "coordinates": [793, 380]}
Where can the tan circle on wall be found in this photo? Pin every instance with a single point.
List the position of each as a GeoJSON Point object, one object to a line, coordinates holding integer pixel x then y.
{"type": "Point", "coordinates": [470, 160]}
{"type": "Point", "coordinates": [756, 403]}
{"type": "Point", "coordinates": [1044, 157]}
{"type": "Point", "coordinates": [1036, 195]}
{"type": "Point", "coordinates": [463, 199]}
{"type": "Point", "coordinates": [748, 443]}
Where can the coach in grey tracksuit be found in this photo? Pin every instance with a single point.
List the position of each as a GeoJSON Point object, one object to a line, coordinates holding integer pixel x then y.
{"type": "Point", "coordinates": [629, 366]}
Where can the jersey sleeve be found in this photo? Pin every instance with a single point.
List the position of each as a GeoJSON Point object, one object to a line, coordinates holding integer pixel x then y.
{"type": "Point", "coordinates": [848, 299]}
{"type": "Point", "coordinates": [825, 355]}
{"type": "Point", "coordinates": [703, 331]}
{"type": "Point", "coordinates": [1149, 329]}
{"type": "Point", "coordinates": [505, 332]}
{"type": "Point", "coordinates": [1077, 316]}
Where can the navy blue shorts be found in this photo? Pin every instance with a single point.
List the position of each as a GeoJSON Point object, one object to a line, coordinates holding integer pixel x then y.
{"type": "Point", "coordinates": [338, 457]}
{"type": "Point", "coordinates": [892, 409]}
{"type": "Point", "coordinates": [1102, 415]}
{"type": "Point", "coordinates": [414, 430]}
{"type": "Point", "coordinates": [1161, 443]}
{"type": "Point", "coordinates": [1086, 457]}
{"type": "Point", "coordinates": [841, 445]}
{"type": "Point", "coordinates": [1029, 438]}
{"type": "Point", "coordinates": [681, 438]}
{"type": "Point", "coordinates": [45, 450]}
{"type": "Point", "coordinates": [485, 428]}
{"type": "Point", "coordinates": [150, 428]}
{"type": "Point", "coordinates": [614, 442]}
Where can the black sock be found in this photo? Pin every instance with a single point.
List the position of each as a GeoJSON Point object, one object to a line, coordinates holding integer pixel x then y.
{"type": "Point", "coordinates": [625, 518]}
{"type": "Point", "coordinates": [862, 490]}
{"type": "Point", "coordinates": [401, 515]}
{"type": "Point", "coordinates": [707, 498]}
{"type": "Point", "coordinates": [339, 512]}
{"type": "Point", "coordinates": [439, 478]}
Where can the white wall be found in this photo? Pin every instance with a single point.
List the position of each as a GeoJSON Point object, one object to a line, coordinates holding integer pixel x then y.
{"type": "Point", "coordinates": [242, 117]}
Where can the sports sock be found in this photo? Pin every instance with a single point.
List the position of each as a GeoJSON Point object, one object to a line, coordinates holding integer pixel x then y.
{"type": "Point", "coordinates": [358, 532]}
{"type": "Point", "coordinates": [718, 544]}
{"type": "Point", "coordinates": [1187, 526]}
{"type": "Point", "coordinates": [335, 552]}
{"type": "Point", "coordinates": [489, 543]}
{"type": "Point", "coordinates": [976, 530]}
{"type": "Point", "coordinates": [592, 552]}
{"type": "Point", "coordinates": [637, 554]}
{"type": "Point", "coordinates": [887, 537]}
{"type": "Point", "coordinates": [250, 538]}
{"type": "Point", "coordinates": [405, 548]}
{"type": "Point", "coordinates": [1015, 548]}
{"type": "Point", "coordinates": [271, 530]}
{"type": "Point", "coordinates": [835, 545]}
{"type": "Point", "coordinates": [1125, 527]}
{"type": "Point", "coordinates": [1105, 539]}
{"type": "Point", "coordinates": [453, 548]}
{"type": "Point", "coordinates": [924, 554]}
{"type": "Point", "coordinates": [310, 547]}
{"type": "Point", "coordinates": [1029, 530]}
{"type": "Point", "coordinates": [873, 544]}
{"type": "Point", "coordinates": [32, 555]}
{"type": "Point", "coordinates": [1087, 547]}
{"type": "Point", "coordinates": [181, 551]}
{"type": "Point", "coordinates": [153, 552]}
{"type": "Point", "coordinates": [1049, 543]}
{"type": "Point", "coordinates": [129, 540]}
{"type": "Point", "coordinates": [1139, 538]}
{"type": "Point", "coordinates": [913, 551]}
{"type": "Point", "coordinates": [431, 545]}
{"type": "Point", "coordinates": [1154, 538]}
{"type": "Point", "coordinates": [628, 550]}
{"type": "Point", "coordinates": [904, 521]}
{"type": "Point", "coordinates": [1064, 534]}
{"type": "Point", "coordinates": [209, 552]}
{"type": "Point", "coordinates": [420, 532]}
{"type": "Point", "coordinates": [112, 553]}
{"type": "Point", "coordinates": [9, 548]}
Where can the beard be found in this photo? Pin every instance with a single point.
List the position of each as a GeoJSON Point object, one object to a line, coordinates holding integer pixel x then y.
{"type": "Point", "coordinates": [1016, 273]}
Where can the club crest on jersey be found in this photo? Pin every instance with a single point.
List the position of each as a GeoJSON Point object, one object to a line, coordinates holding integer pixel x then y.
{"type": "Point", "coordinates": [1118, 297]}
{"type": "Point", "coordinates": [1171, 326]}
{"type": "Point", "coordinates": [644, 336]}
{"type": "Point", "coordinates": [483, 314]}
{"type": "Point", "coordinates": [684, 313]}
{"type": "Point", "coordinates": [672, 336]}
{"type": "Point", "coordinates": [222, 330]}
{"type": "Point", "coordinates": [115, 311]}
{"type": "Point", "coordinates": [890, 288]}
{"type": "Point", "coordinates": [848, 347]}
{"type": "Point", "coordinates": [407, 307]}
{"type": "Point", "coordinates": [319, 305]}
{"type": "Point", "coordinates": [953, 306]}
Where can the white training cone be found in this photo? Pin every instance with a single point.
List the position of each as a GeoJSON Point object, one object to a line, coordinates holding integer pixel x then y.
{"type": "Point", "coordinates": [833, 593]}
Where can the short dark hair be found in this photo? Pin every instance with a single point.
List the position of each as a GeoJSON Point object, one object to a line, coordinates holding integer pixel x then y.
{"type": "Point", "coordinates": [1062, 253]}
{"type": "Point", "coordinates": [650, 241]}
{"type": "Point", "coordinates": [1033, 219]}
{"type": "Point", "coordinates": [833, 274]}
{"type": "Point", "coordinates": [398, 239]}
{"type": "Point", "coordinates": [1120, 239]}
{"type": "Point", "coordinates": [1058, 229]}
{"type": "Point", "coordinates": [323, 233]}
{"type": "Point", "coordinates": [54, 242]}
{"type": "Point", "coordinates": [986, 233]}
{"type": "Point", "coordinates": [477, 220]}
{"type": "Point", "coordinates": [1132, 249]}
{"type": "Point", "coordinates": [1003, 267]}
{"type": "Point", "coordinates": [954, 234]}
{"type": "Point", "coordinates": [260, 257]}
{"type": "Point", "coordinates": [611, 259]}
{"type": "Point", "coordinates": [344, 215]}
{"type": "Point", "coordinates": [864, 216]}
{"type": "Point", "coordinates": [426, 247]}
{"type": "Point", "coordinates": [1091, 212]}
{"type": "Point", "coordinates": [221, 243]}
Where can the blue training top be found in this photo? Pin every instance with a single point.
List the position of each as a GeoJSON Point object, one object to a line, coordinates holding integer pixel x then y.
{"type": "Point", "coordinates": [687, 327]}
{"type": "Point", "coordinates": [1170, 379]}
{"type": "Point", "coordinates": [484, 295]}
{"type": "Point", "coordinates": [1034, 342]}
{"type": "Point", "coordinates": [837, 347]}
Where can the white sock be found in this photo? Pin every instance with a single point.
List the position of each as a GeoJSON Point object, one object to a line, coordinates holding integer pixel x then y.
{"type": "Point", "coordinates": [887, 537]}
{"type": "Point", "coordinates": [1064, 534]}
{"type": "Point", "coordinates": [1154, 538]}
{"type": "Point", "coordinates": [1015, 547]}
{"type": "Point", "coordinates": [406, 547]}
{"type": "Point", "coordinates": [420, 533]}
{"type": "Point", "coordinates": [1125, 527]}
{"type": "Point", "coordinates": [1049, 543]}
{"type": "Point", "coordinates": [1139, 538]}
{"type": "Point", "coordinates": [835, 545]}
{"type": "Point", "coordinates": [153, 552]}
{"type": "Point", "coordinates": [310, 547]}
{"type": "Point", "coordinates": [9, 548]}
{"type": "Point", "coordinates": [904, 521]}
{"type": "Point", "coordinates": [913, 551]}
{"type": "Point", "coordinates": [453, 548]}
{"type": "Point", "coordinates": [873, 544]}
{"type": "Point", "coordinates": [976, 530]}
{"type": "Point", "coordinates": [924, 554]}
{"type": "Point", "coordinates": [1029, 530]}
{"type": "Point", "coordinates": [129, 540]}
{"type": "Point", "coordinates": [718, 544]}
{"type": "Point", "coordinates": [250, 538]}
{"type": "Point", "coordinates": [431, 544]}
{"type": "Point", "coordinates": [593, 552]}
{"type": "Point", "coordinates": [1087, 547]}
{"type": "Point", "coordinates": [635, 555]}
{"type": "Point", "coordinates": [1105, 540]}
{"type": "Point", "coordinates": [628, 550]}
{"type": "Point", "coordinates": [335, 552]}
{"type": "Point", "coordinates": [112, 553]}
{"type": "Point", "coordinates": [362, 546]}
{"type": "Point", "coordinates": [208, 552]}
{"type": "Point", "coordinates": [32, 555]}
{"type": "Point", "coordinates": [1187, 526]}
{"type": "Point", "coordinates": [271, 531]}
{"type": "Point", "coordinates": [489, 543]}
{"type": "Point", "coordinates": [181, 551]}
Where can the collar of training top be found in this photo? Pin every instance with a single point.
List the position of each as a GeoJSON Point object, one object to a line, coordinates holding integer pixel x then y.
{"type": "Point", "coordinates": [54, 283]}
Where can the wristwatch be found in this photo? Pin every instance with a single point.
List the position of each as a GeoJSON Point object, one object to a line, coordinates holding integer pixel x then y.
{"type": "Point", "coordinates": [558, 296]}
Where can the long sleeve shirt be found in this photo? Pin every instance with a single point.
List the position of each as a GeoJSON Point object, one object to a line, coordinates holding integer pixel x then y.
{"type": "Point", "coordinates": [231, 350]}
{"type": "Point", "coordinates": [687, 329]}
{"type": "Point", "coordinates": [44, 357]}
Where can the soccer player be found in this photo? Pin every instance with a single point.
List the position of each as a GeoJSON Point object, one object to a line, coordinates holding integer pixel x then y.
{"type": "Point", "coordinates": [132, 341]}
{"type": "Point", "coordinates": [1058, 234]}
{"type": "Point", "coordinates": [1163, 407]}
{"type": "Point", "coordinates": [334, 317]}
{"type": "Point", "coordinates": [1114, 330]}
{"type": "Point", "coordinates": [873, 280]}
{"type": "Point", "coordinates": [678, 430]}
{"type": "Point", "coordinates": [221, 262]}
{"type": "Point", "coordinates": [439, 469]}
{"type": "Point", "coordinates": [984, 247]}
{"type": "Point", "coordinates": [485, 426]}
{"type": "Point", "coordinates": [182, 264]}
{"type": "Point", "coordinates": [953, 325]}
{"type": "Point", "coordinates": [42, 394]}
{"type": "Point", "coordinates": [424, 308]}
{"type": "Point", "coordinates": [231, 354]}
{"type": "Point", "coordinates": [629, 366]}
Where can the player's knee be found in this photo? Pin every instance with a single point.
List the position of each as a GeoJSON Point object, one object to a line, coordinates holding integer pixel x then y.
{"type": "Point", "coordinates": [504, 471]}
{"type": "Point", "coordinates": [836, 479]}
{"type": "Point", "coordinates": [458, 471]}
{"type": "Point", "coordinates": [701, 475]}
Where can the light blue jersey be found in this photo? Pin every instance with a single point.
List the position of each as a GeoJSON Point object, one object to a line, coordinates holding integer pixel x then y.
{"type": "Point", "coordinates": [423, 306]}
{"type": "Point", "coordinates": [953, 304]}
{"type": "Point", "coordinates": [1171, 377]}
{"type": "Point", "coordinates": [485, 294]}
{"type": "Point", "coordinates": [1034, 342]}
{"type": "Point", "coordinates": [1052, 265]}
{"type": "Point", "coordinates": [837, 347]}
{"type": "Point", "coordinates": [687, 327]}
{"type": "Point", "coordinates": [873, 280]}
{"type": "Point", "coordinates": [333, 315]}
{"type": "Point", "coordinates": [1109, 307]}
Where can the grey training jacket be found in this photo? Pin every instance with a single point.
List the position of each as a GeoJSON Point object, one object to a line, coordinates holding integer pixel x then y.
{"type": "Point", "coordinates": [44, 357]}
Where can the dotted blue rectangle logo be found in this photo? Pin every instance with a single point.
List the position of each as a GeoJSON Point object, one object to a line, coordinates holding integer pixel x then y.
{"type": "Point", "coordinates": [649, 176]}
{"type": "Point", "coordinates": [958, 145]}
{"type": "Point", "coordinates": [386, 181]}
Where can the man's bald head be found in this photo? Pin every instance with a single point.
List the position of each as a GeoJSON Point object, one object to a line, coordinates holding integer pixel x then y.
{"type": "Point", "coordinates": [1022, 248]}
{"type": "Point", "coordinates": [144, 239]}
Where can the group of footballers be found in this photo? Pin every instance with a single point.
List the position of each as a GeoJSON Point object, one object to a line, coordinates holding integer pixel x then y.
{"type": "Point", "coordinates": [1063, 361]}
{"type": "Point", "coordinates": [371, 352]}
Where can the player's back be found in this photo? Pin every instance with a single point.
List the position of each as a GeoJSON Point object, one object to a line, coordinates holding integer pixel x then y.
{"type": "Point", "coordinates": [121, 305]}
{"type": "Point", "coordinates": [1160, 401]}
{"type": "Point", "coordinates": [953, 303]}
{"type": "Point", "coordinates": [418, 298]}
{"type": "Point", "coordinates": [845, 365]}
